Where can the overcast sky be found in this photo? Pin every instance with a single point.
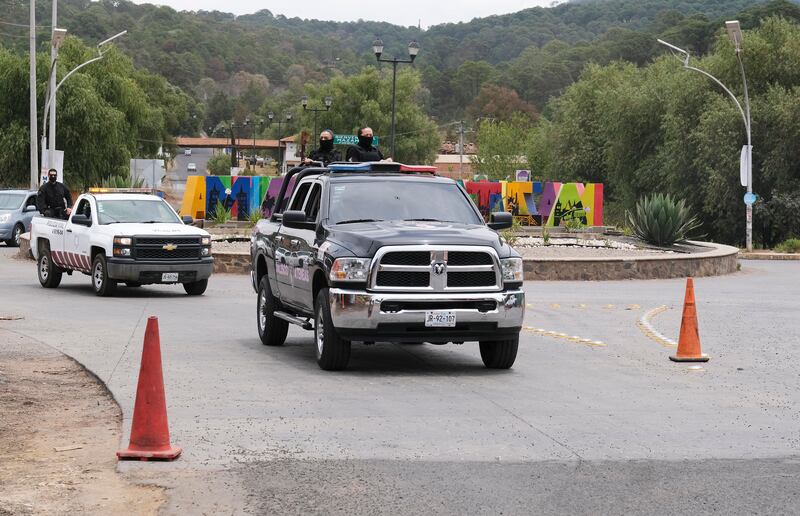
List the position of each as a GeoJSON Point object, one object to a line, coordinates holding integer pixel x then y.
{"type": "Point", "coordinates": [400, 12]}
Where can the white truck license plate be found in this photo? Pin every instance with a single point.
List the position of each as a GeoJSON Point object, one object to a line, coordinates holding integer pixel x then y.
{"type": "Point", "coordinates": [440, 319]}
{"type": "Point", "coordinates": [167, 277]}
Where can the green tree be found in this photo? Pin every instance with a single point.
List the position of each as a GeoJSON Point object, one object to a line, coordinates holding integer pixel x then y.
{"type": "Point", "coordinates": [365, 99]}
{"type": "Point", "coordinates": [219, 165]}
{"type": "Point", "coordinates": [501, 147]}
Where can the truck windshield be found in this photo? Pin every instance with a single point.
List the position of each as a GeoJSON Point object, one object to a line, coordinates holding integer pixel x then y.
{"type": "Point", "coordinates": [135, 210]}
{"type": "Point", "coordinates": [399, 200]}
{"type": "Point", "coordinates": [11, 201]}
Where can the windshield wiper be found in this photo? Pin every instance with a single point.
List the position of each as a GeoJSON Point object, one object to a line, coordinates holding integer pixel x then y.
{"type": "Point", "coordinates": [356, 221]}
{"type": "Point", "coordinates": [426, 220]}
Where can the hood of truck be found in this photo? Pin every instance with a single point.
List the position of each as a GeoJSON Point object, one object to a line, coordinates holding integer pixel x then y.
{"type": "Point", "coordinates": [364, 239]}
{"type": "Point", "coordinates": [160, 229]}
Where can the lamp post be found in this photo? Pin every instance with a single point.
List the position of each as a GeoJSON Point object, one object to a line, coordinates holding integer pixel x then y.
{"type": "Point", "coordinates": [746, 162]}
{"type": "Point", "coordinates": [316, 111]}
{"type": "Point", "coordinates": [234, 158]}
{"type": "Point", "coordinates": [413, 50]}
{"type": "Point", "coordinates": [288, 117]}
{"type": "Point", "coordinates": [58, 38]}
{"type": "Point", "coordinates": [253, 131]}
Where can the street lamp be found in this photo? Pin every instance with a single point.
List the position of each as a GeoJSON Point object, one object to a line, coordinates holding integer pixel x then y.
{"type": "Point", "coordinates": [746, 160]}
{"type": "Point", "coordinates": [413, 50]}
{"type": "Point", "coordinates": [316, 111]}
{"type": "Point", "coordinates": [58, 37]}
{"type": "Point", "coordinates": [271, 117]}
{"type": "Point", "coordinates": [253, 131]}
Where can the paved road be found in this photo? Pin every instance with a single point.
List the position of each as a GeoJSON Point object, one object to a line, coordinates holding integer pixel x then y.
{"type": "Point", "coordinates": [603, 428]}
{"type": "Point", "coordinates": [199, 157]}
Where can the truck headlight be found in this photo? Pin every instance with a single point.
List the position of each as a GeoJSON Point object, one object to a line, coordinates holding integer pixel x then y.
{"type": "Point", "coordinates": [350, 269]}
{"type": "Point", "coordinates": [4, 218]}
{"type": "Point", "coordinates": [205, 251]}
{"type": "Point", "coordinates": [512, 270]}
{"type": "Point", "coordinates": [205, 240]}
{"type": "Point", "coordinates": [122, 241]}
{"type": "Point", "coordinates": [122, 251]}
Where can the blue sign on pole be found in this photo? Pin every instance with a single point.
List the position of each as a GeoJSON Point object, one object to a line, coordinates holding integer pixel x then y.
{"type": "Point", "coordinates": [750, 198]}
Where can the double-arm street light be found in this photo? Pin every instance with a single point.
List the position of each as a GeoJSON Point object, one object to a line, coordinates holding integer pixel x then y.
{"type": "Point", "coordinates": [316, 111]}
{"type": "Point", "coordinates": [413, 50]}
{"type": "Point", "coordinates": [271, 117]}
{"type": "Point", "coordinates": [59, 35]}
{"type": "Point", "coordinates": [260, 123]}
{"type": "Point", "coordinates": [746, 160]}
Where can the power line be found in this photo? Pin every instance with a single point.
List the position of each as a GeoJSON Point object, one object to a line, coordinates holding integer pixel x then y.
{"type": "Point", "coordinates": [25, 25]}
{"type": "Point", "coordinates": [14, 35]}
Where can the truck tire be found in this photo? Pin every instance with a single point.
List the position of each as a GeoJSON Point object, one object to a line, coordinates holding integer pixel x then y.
{"type": "Point", "coordinates": [15, 236]}
{"type": "Point", "coordinates": [499, 354]}
{"type": "Point", "coordinates": [333, 352]}
{"type": "Point", "coordinates": [196, 288]}
{"type": "Point", "coordinates": [48, 272]}
{"type": "Point", "coordinates": [271, 330]}
{"type": "Point", "coordinates": [103, 285]}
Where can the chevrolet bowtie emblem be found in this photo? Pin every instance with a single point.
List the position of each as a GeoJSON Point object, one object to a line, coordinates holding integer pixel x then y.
{"type": "Point", "coordinates": [169, 247]}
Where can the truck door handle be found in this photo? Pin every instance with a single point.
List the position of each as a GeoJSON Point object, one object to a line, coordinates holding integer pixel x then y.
{"type": "Point", "coordinates": [69, 231]}
{"type": "Point", "coordinates": [294, 241]}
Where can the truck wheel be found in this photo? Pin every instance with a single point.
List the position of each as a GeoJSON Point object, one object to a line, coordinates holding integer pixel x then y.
{"type": "Point", "coordinates": [196, 288]}
{"type": "Point", "coordinates": [499, 354]}
{"type": "Point", "coordinates": [15, 236]}
{"type": "Point", "coordinates": [49, 273]}
{"type": "Point", "coordinates": [333, 352]}
{"type": "Point", "coordinates": [102, 284]}
{"type": "Point", "coordinates": [271, 330]}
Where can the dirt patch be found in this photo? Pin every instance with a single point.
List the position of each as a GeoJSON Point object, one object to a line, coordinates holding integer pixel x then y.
{"type": "Point", "coordinates": [59, 430]}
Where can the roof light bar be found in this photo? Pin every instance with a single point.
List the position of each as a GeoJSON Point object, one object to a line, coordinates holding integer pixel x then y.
{"type": "Point", "coordinates": [418, 168]}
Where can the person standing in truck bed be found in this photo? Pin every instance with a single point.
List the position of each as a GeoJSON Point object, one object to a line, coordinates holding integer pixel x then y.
{"type": "Point", "coordinates": [54, 199]}
{"type": "Point", "coordinates": [364, 151]}
{"type": "Point", "coordinates": [325, 153]}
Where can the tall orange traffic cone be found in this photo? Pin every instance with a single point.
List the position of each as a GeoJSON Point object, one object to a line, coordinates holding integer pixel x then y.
{"type": "Point", "coordinates": [150, 430]}
{"type": "Point", "coordinates": [689, 339]}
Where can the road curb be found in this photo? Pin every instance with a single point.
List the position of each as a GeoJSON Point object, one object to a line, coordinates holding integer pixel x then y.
{"type": "Point", "coordinates": [718, 260]}
{"type": "Point", "coordinates": [767, 255]}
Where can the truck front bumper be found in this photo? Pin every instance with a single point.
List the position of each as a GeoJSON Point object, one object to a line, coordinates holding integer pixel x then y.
{"type": "Point", "coordinates": [368, 316]}
{"type": "Point", "coordinates": [146, 272]}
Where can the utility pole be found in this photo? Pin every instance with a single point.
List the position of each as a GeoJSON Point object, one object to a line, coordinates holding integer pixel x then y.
{"type": "Point", "coordinates": [34, 126]}
{"type": "Point", "coordinates": [53, 54]}
{"type": "Point", "coordinates": [461, 149]}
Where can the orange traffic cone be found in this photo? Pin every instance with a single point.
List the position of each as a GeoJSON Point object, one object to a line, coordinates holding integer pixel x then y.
{"type": "Point", "coordinates": [150, 430]}
{"type": "Point", "coordinates": [689, 339]}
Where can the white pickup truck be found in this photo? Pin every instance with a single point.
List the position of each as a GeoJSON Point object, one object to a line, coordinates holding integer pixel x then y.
{"type": "Point", "coordinates": [137, 239]}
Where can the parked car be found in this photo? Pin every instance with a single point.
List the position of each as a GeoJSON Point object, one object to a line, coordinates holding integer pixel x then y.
{"type": "Point", "coordinates": [137, 239]}
{"type": "Point", "coordinates": [187, 152]}
{"type": "Point", "coordinates": [17, 209]}
{"type": "Point", "coordinates": [191, 167]}
{"type": "Point", "coordinates": [384, 252]}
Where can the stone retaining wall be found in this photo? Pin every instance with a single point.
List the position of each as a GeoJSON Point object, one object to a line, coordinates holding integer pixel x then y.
{"type": "Point", "coordinates": [720, 259]}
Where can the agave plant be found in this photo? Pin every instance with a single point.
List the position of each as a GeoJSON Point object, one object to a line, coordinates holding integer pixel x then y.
{"type": "Point", "coordinates": [661, 220]}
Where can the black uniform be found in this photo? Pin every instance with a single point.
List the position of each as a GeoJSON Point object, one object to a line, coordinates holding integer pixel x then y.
{"type": "Point", "coordinates": [50, 201]}
{"type": "Point", "coordinates": [325, 157]}
{"type": "Point", "coordinates": [363, 153]}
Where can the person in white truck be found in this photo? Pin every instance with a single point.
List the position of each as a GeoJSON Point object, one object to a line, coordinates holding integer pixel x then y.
{"type": "Point", "coordinates": [137, 239]}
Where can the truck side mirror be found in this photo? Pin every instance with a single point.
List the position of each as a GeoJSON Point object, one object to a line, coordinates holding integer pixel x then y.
{"type": "Point", "coordinates": [187, 219]}
{"type": "Point", "coordinates": [296, 219]}
{"type": "Point", "coordinates": [501, 220]}
{"type": "Point", "coordinates": [81, 220]}
{"type": "Point", "coordinates": [30, 208]}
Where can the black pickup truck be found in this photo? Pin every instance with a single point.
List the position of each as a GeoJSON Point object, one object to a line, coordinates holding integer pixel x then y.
{"type": "Point", "coordinates": [384, 252]}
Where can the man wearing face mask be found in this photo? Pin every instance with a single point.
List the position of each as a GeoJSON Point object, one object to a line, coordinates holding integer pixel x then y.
{"type": "Point", "coordinates": [325, 152]}
{"type": "Point", "coordinates": [54, 199]}
{"type": "Point", "coordinates": [364, 151]}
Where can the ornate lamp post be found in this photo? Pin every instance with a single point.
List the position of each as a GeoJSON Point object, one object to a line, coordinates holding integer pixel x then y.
{"type": "Point", "coordinates": [413, 50]}
{"type": "Point", "coordinates": [316, 111]}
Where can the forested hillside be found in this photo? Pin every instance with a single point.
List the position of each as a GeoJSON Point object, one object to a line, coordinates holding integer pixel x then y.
{"type": "Point", "coordinates": [536, 52]}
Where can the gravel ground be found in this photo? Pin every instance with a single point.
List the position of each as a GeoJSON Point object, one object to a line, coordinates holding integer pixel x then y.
{"type": "Point", "coordinates": [230, 247]}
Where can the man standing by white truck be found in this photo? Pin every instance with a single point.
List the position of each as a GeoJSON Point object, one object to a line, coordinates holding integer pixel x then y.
{"type": "Point", "coordinates": [137, 239]}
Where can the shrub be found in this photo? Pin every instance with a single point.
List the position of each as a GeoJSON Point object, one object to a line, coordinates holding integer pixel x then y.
{"type": "Point", "coordinates": [221, 215]}
{"type": "Point", "coordinates": [511, 235]}
{"type": "Point", "coordinates": [121, 182]}
{"type": "Point", "coordinates": [661, 220]}
{"type": "Point", "coordinates": [254, 216]}
{"type": "Point", "coordinates": [789, 246]}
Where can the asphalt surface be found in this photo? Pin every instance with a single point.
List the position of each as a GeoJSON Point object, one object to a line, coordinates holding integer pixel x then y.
{"type": "Point", "coordinates": [199, 157]}
{"type": "Point", "coordinates": [611, 426]}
